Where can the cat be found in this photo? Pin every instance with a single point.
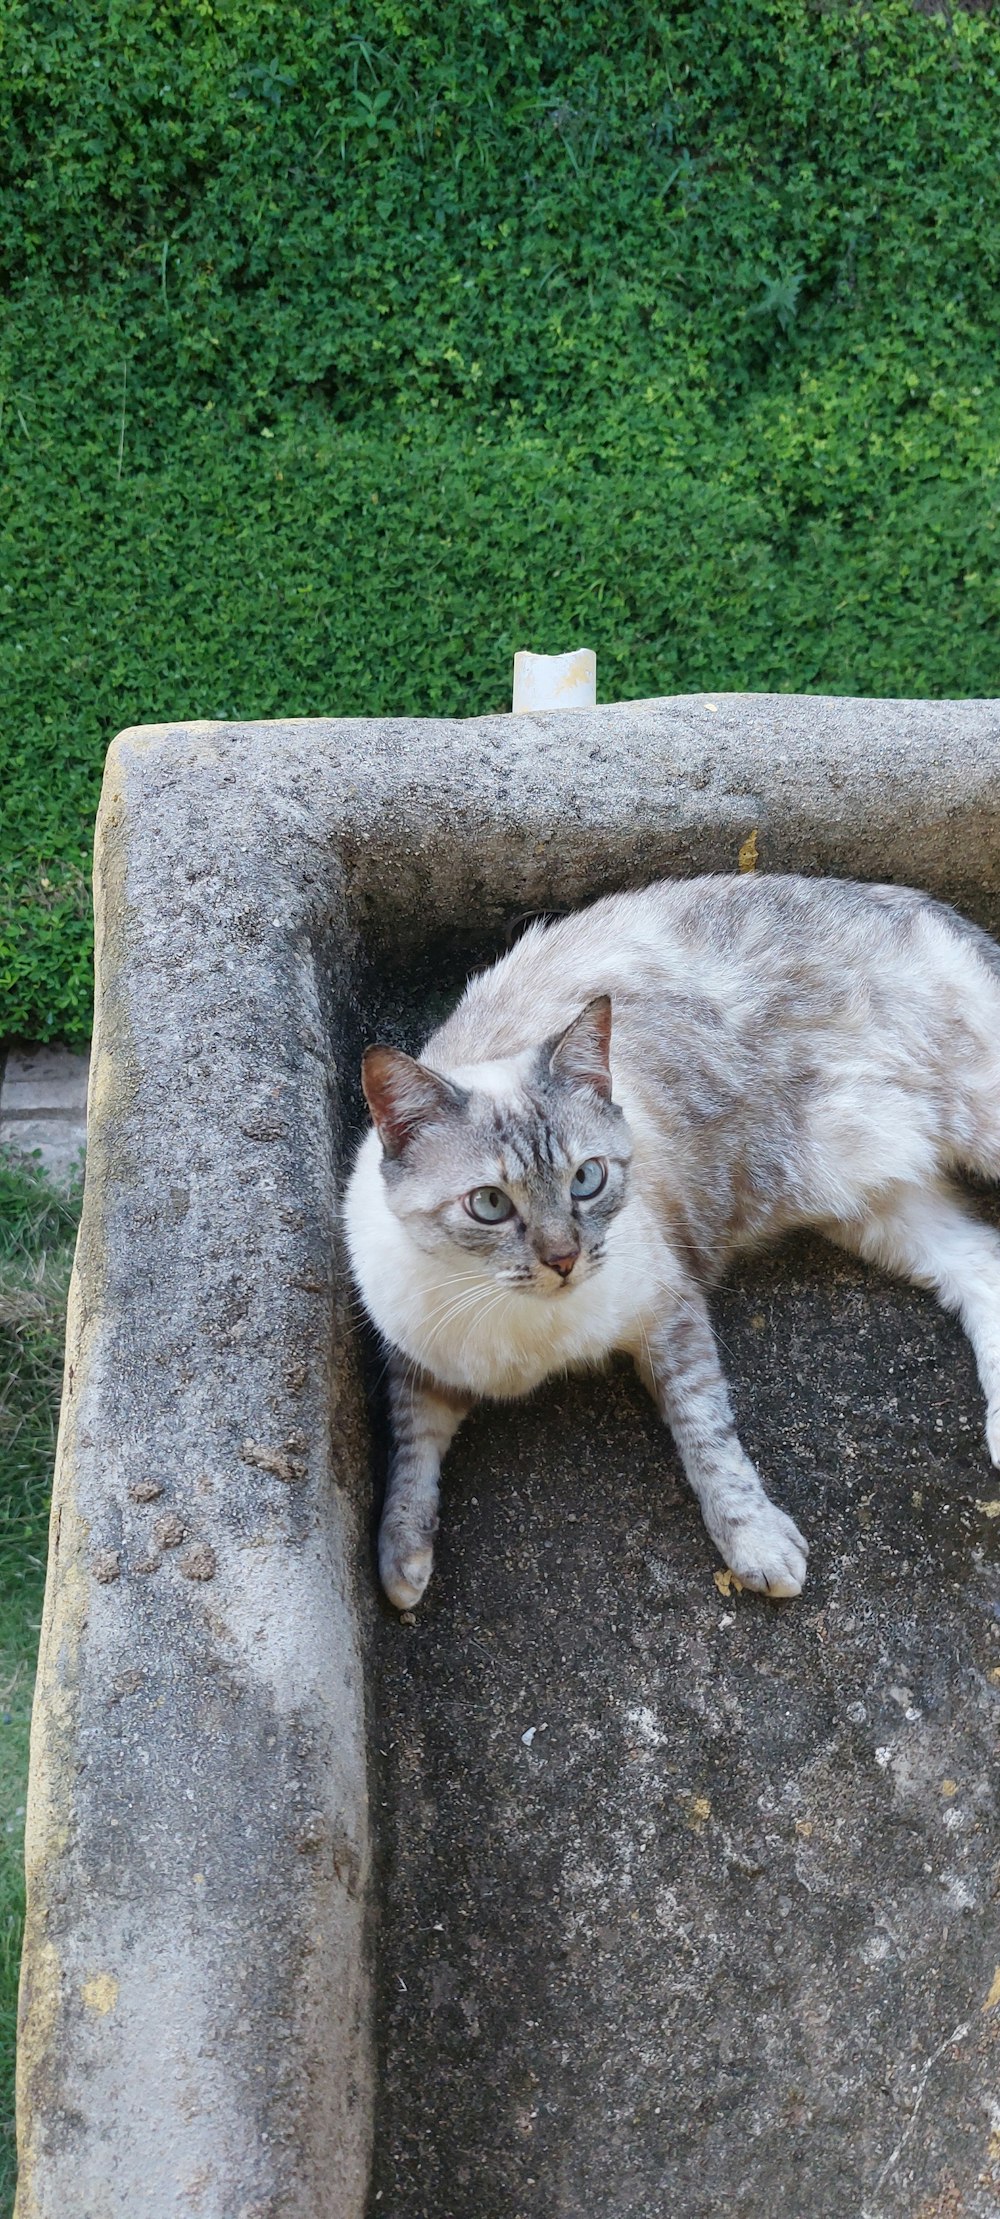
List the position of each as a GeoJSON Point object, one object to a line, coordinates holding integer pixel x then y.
{"type": "Point", "coordinates": [628, 1099]}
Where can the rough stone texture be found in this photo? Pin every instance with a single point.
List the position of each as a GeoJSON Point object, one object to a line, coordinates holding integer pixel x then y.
{"type": "Point", "coordinates": [720, 1933]}
{"type": "Point", "coordinates": [43, 1107]}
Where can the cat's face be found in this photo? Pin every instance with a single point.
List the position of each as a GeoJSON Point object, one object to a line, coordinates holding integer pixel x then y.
{"type": "Point", "coordinates": [518, 1167]}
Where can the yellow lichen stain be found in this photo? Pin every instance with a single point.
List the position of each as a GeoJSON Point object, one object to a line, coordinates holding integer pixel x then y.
{"type": "Point", "coordinates": [804, 1827]}
{"type": "Point", "coordinates": [747, 857]}
{"type": "Point", "coordinates": [994, 1995]}
{"type": "Point", "coordinates": [994, 1672]}
{"type": "Point", "coordinates": [990, 1509]}
{"type": "Point", "coordinates": [728, 1583]}
{"type": "Point", "coordinates": [100, 1993]}
{"type": "Point", "coordinates": [699, 1809]}
{"type": "Point", "coordinates": [579, 672]}
{"type": "Point", "coordinates": [949, 1788]}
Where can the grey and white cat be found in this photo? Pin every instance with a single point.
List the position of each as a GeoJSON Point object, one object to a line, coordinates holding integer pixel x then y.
{"type": "Point", "coordinates": [628, 1099]}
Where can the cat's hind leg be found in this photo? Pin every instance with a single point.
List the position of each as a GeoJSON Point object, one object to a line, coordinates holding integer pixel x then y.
{"type": "Point", "coordinates": [425, 1418]}
{"type": "Point", "coordinates": [759, 1542]}
{"type": "Point", "coordinates": [928, 1235]}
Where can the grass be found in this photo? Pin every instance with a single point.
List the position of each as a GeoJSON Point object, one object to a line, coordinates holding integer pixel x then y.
{"type": "Point", "coordinates": [37, 1234]}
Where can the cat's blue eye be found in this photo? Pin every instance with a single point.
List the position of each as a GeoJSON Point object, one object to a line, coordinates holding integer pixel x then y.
{"type": "Point", "coordinates": [489, 1205]}
{"type": "Point", "coordinates": [588, 1179]}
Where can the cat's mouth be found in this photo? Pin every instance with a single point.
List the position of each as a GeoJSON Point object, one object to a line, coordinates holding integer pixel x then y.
{"type": "Point", "coordinates": [552, 1288]}
{"type": "Point", "coordinates": [548, 1285]}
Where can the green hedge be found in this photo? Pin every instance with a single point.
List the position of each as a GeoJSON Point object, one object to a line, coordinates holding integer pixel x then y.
{"type": "Point", "coordinates": [343, 351]}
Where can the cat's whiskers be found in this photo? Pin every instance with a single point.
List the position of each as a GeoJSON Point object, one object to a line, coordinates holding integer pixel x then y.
{"type": "Point", "coordinates": [419, 1311]}
{"type": "Point", "coordinates": [470, 1278]}
{"type": "Point", "coordinates": [495, 1297]}
{"type": "Point", "coordinates": [475, 1282]}
{"type": "Point", "coordinates": [478, 1299]}
{"type": "Point", "coordinates": [649, 1359]}
{"type": "Point", "coordinates": [470, 1300]}
{"type": "Point", "coordinates": [455, 1279]}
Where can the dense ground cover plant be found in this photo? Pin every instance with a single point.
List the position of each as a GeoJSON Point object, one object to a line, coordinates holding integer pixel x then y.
{"type": "Point", "coordinates": [345, 349]}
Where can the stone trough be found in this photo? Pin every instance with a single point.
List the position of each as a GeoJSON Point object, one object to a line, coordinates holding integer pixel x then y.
{"type": "Point", "coordinates": [597, 1890]}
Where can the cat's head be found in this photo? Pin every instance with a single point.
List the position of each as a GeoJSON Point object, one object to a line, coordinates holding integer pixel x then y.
{"type": "Point", "coordinates": [520, 1164]}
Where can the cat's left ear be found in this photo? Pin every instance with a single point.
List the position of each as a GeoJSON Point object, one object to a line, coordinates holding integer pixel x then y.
{"type": "Point", "coordinates": [403, 1094]}
{"type": "Point", "coordinates": [580, 1056]}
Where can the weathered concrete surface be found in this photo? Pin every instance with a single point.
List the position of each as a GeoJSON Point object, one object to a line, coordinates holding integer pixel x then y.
{"type": "Point", "coordinates": [43, 1107]}
{"type": "Point", "coordinates": [194, 1999]}
{"type": "Point", "coordinates": [710, 1937]}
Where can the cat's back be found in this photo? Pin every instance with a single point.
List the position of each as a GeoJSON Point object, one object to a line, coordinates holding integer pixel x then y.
{"type": "Point", "coordinates": [737, 954]}
{"type": "Point", "coordinates": [672, 933]}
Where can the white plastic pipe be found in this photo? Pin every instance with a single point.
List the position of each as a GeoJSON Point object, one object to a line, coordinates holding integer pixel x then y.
{"type": "Point", "coordinates": [555, 681]}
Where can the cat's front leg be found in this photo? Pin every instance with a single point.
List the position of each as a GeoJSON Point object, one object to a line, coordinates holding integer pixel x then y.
{"type": "Point", "coordinates": [424, 1419]}
{"type": "Point", "coordinates": [759, 1542]}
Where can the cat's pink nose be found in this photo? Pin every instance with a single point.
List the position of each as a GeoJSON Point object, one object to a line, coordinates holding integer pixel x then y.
{"type": "Point", "coordinates": [562, 1264]}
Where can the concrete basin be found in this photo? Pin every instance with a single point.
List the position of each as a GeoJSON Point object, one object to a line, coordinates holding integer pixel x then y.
{"type": "Point", "coordinates": [598, 1889]}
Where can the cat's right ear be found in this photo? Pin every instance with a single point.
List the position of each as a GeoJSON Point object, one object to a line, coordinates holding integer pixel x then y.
{"type": "Point", "coordinates": [402, 1095]}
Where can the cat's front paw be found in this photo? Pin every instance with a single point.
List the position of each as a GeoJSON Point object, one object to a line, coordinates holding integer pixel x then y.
{"type": "Point", "coordinates": [405, 1563]}
{"type": "Point", "coordinates": [766, 1551]}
